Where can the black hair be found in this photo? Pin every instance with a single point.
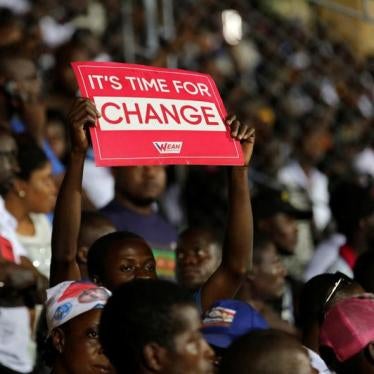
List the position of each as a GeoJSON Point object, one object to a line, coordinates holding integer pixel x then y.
{"type": "Point", "coordinates": [30, 156]}
{"type": "Point", "coordinates": [314, 294]}
{"type": "Point", "coordinates": [98, 251]}
{"type": "Point", "coordinates": [216, 234]}
{"type": "Point", "coordinates": [57, 116]}
{"type": "Point", "coordinates": [138, 313]}
{"type": "Point", "coordinates": [91, 220]}
{"type": "Point", "coordinates": [363, 270]}
{"type": "Point", "coordinates": [261, 242]}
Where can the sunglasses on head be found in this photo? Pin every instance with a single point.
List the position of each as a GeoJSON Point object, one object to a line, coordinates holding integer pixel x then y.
{"type": "Point", "coordinates": [342, 280]}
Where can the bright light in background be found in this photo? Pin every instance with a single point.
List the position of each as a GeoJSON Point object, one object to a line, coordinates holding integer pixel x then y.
{"type": "Point", "coordinates": [232, 26]}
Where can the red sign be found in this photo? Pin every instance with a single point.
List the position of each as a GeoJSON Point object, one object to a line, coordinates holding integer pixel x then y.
{"type": "Point", "coordinates": [156, 116]}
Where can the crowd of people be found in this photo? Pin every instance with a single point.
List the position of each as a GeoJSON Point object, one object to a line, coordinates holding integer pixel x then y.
{"type": "Point", "coordinates": [261, 268]}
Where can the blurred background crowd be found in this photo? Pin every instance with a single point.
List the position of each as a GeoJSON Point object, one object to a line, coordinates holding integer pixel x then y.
{"type": "Point", "coordinates": [306, 89]}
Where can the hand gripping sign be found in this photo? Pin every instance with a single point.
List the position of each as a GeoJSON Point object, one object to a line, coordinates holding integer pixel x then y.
{"type": "Point", "coordinates": [156, 116]}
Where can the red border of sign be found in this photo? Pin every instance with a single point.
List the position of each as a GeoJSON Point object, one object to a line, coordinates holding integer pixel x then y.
{"type": "Point", "coordinates": [201, 159]}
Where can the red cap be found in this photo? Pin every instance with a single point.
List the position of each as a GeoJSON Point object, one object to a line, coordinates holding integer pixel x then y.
{"type": "Point", "coordinates": [348, 326]}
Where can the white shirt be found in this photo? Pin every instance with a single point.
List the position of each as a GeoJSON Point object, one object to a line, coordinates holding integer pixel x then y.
{"type": "Point", "coordinates": [317, 362]}
{"type": "Point", "coordinates": [98, 183]}
{"type": "Point", "coordinates": [38, 246]}
{"type": "Point", "coordinates": [15, 333]}
{"type": "Point", "coordinates": [315, 184]}
{"type": "Point", "coordinates": [8, 226]}
{"type": "Point", "coordinates": [364, 161]}
{"type": "Point", "coordinates": [325, 256]}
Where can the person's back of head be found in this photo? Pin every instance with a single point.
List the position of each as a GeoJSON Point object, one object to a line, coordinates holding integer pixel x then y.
{"type": "Point", "coordinates": [316, 292]}
{"type": "Point", "coordinates": [93, 226]}
{"type": "Point", "coordinates": [316, 296]}
{"type": "Point", "coordinates": [143, 325]}
{"type": "Point", "coordinates": [266, 352]}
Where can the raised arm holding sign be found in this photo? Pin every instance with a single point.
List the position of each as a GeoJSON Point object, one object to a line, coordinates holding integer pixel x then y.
{"type": "Point", "coordinates": [238, 240]}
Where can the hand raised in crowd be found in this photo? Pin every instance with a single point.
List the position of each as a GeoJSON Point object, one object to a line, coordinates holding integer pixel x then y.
{"type": "Point", "coordinates": [244, 133]}
{"type": "Point", "coordinates": [82, 115]}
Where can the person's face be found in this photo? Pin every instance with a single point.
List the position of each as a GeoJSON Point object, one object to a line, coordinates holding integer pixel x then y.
{"type": "Point", "coordinates": [128, 260]}
{"type": "Point", "coordinates": [91, 295]}
{"type": "Point", "coordinates": [55, 134]}
{"type": "Point", "coordinates": [282, 229]}
{"type": "Point", "coordinates": [40, 190]}
{"type": "Point", "coordinates": [8, 162]}
{"type": "Point", "coordinates": [197, 258]}
{"type": "Point", "coordinates": [191, 353]}
{"type": "Point", "coordinates": [141, 184]}
{"type": "Point", "coordinates": [269, 274]}
{"type": "Point", "coordinates": [28, 84]}
{"type": "Point", "coordinates": [81, 350]}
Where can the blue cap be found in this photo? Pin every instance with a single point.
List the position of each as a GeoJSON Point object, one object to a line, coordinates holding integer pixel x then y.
{"type": "Point", "coordinates": [228, 320]}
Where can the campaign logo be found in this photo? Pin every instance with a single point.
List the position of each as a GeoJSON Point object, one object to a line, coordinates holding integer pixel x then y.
{"type": "Point", "coordinates": [62, 311]}
{"type": "Point", "coordinates": [168, 147]}
{"type": "Point", "coordinates": [219, 316]}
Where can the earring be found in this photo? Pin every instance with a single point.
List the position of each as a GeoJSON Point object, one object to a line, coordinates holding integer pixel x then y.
{"type": "Point", "coordinates": [21, 194]}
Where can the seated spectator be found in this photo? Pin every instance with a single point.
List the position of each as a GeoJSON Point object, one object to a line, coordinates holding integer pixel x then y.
{"type": "Point", "coordinates": [277, 218]}
{"type": "Point", "coordinates": [198, 256]}
{"type": "Point", "coordinates": [266, 352]}
{"type": "Point", "coordinates": [308, 186]}
{"type": "Point", "coordinates": [21, 289]}
{"type": "Point", "coordinates": [134, 208]}
{"type": "Point", "coordinates": [32, 196]}
{"type": "Point", "coordinates": [355, 228]}
{"type": "Point", "coordinates": [22, 105]}
{"type": "Point", "coordinates": [317, 295]}
{"type": "Point", "coordinates": [311, 145]}
{"type": "Point", "coordinates": [8, 169]}
{"type": "Point", "coordinates": [364, 270]}
{"type": "Point", "coordinates": [352, 206]}
{"type": "Point", "coordinates": [266, 283]}
{"type": "Point", "coordinates": [120, 257]}
{"type": "Point", "coordinates": [56, 134]}
{"type": "Point", "coordinates": [23, 285]}
{"type": "Point", "coordinates": [228, 320]}
{"type": "Point", "coordinates": [154, 327]}
{"type": "Point", "coordinates": [73, 314]}
{"type": "Point", "coordinates": [347, 336]}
